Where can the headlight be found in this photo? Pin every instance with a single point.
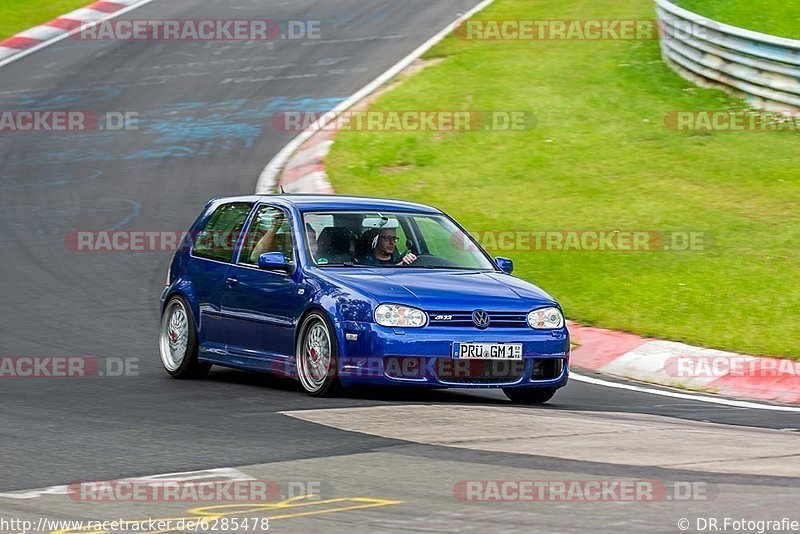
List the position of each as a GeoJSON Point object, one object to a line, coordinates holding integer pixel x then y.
{"type": "Point", "coordinates": [546, 318]}
{"type": "Point", "coordinates": [394, 315]}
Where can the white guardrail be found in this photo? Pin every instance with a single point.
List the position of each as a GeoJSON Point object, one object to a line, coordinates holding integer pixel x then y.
{"type": "Point", "coordinates": [765, 69]}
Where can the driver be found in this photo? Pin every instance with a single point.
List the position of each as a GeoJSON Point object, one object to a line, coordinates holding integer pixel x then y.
{"type": "Point", "coordinates": [384, 252]}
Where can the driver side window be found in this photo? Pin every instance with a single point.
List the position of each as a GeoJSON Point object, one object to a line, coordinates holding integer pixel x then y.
{"type": "Point", "coordinates": [269, 231]}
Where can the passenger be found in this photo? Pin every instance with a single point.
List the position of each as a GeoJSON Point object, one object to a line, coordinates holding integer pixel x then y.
{"type": "Point", "coordinates": [268, 242]}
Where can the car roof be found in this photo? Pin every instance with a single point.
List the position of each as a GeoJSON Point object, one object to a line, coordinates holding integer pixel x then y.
{"type": "Point", "coordinates": [308, 202]}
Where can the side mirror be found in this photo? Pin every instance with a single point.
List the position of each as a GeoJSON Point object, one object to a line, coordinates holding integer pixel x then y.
{"type": "Point", "coordinates": [506, 265]}
{"type": "Point", "coordinates": [273, 261]}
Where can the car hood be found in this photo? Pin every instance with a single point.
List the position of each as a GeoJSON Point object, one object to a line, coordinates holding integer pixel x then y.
{"type": "Point", "coordinates": [444, 290]}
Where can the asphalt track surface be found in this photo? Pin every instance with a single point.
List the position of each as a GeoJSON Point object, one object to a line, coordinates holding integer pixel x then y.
{"type": "Point", "coordinates": [206, 133]}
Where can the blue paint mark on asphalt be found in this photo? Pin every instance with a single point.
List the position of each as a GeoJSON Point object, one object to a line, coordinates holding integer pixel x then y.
{"type": "Point", "coordinates": [177, 130]}
{"type": "Point", "coordinates": [50, 100]}
{"type": "Point", "coordinates": [58, 177]}
{"type": "Point", "coordinates": [53, 223]}
{"type": "Point", "coordinates": [135, 209]}
{"type": "Point", "coordinates": [205, 130]}
{"type": "Point", "coordinates": [166, 152]}
{"type": "Point", "coordinates": [340, 18]}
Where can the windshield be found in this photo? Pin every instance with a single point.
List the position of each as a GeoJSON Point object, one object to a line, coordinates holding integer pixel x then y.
{"type": "Point", "coordinates": [393, 240]}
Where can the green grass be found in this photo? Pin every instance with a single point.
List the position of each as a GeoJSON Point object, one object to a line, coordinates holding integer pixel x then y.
{"type": "Point", "coordinates": [776, 17]}
{"type": "Point", "coordinates": [19, 15]}
{"type": "Point", "coordinates": [600, 157]}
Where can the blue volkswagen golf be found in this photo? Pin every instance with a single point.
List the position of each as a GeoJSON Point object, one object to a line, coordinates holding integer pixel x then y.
{"type": "Point", "coordinates": [337, 291]}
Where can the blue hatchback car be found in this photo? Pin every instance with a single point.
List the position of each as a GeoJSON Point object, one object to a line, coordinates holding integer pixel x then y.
{"type": "Point", "coordinates": [338, 291]}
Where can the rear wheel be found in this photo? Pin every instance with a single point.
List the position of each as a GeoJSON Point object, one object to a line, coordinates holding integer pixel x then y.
{"type": "Point", "coordinates": [177, 342]}
{"type": "Point", "coordinates": [316, 357]}
{"type": "Point", "coordinates": [529, 395]}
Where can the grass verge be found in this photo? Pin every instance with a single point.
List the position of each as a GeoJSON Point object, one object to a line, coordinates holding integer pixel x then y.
{"type": "Point", "coordinates": [775, 17]}
{"type": "Point", "coordinates": [19, 15]}
{"type": "Point", "coordinates": [601, 158]}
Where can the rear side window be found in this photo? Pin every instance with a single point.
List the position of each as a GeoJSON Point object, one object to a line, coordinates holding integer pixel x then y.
{"type": "Point", "coordinates": [218, 237]}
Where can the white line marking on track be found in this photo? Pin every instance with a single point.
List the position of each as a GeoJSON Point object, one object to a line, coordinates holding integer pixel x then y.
{"type": "Point", "coordinates": [268, 178]}
{"type": "Point", "coordinates": [684, 396]}
{"type": "Point", "coordinates": [63, 36]}
{"type": "Point", "coordinates": [221, 473]}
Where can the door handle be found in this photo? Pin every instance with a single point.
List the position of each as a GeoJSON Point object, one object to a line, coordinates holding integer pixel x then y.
{"type": "Point", "coordinates": [231, 281]}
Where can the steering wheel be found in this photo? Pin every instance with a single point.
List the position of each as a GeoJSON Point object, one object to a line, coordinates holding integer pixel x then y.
{"type": "Point", "coordinates": [429, 260]}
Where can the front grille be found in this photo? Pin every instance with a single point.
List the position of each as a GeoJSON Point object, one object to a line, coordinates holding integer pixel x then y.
{"type": "Point", "coordinates": [547, 369]}
{"type": "Point", "coordinates": [464, 318]}
{"type": "Point", "coordinates": [479, 371]}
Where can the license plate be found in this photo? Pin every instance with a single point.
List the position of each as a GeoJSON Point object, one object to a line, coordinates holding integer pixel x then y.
{"type": "Point", "coordinates": [487, 351]}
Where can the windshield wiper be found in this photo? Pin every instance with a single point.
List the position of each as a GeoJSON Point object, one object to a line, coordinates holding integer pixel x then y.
{"type": "Point", "coordinates": [345, 264]}
{"type": "Point", "coordinates": [446, 267]}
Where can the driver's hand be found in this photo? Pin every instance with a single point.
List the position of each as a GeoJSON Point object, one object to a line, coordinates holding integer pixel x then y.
{"type": "Point", "coordinates": [408, 259]}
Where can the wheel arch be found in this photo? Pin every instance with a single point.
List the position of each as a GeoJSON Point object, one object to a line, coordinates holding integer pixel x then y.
{"type": "Point", "coordinates": [186, 290]}
{"type": "Point", "coordinates": [330, 316]}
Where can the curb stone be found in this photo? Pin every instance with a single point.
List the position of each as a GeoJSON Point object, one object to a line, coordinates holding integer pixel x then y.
{"type": "Point", "coordinates": [59, 27]}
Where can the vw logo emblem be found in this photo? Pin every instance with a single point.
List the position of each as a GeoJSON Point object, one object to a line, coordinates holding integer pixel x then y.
{"type": "Point", "coordinates": [480, 318]}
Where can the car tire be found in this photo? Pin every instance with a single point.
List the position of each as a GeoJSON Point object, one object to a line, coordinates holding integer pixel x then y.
{"type": "Point", "coordinates": [316, 357]}
{"type": "Point", "coordinates": [177, 341]}
{"type": "Point", "coordinates": [529, 395]}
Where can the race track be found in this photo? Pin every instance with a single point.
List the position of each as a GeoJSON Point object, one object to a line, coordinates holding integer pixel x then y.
{"type": "Point", "coordinates": [206, 133]}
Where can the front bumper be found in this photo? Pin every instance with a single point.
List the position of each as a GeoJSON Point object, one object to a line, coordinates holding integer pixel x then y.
{"type": "Point", "coordinates": [377, 355]}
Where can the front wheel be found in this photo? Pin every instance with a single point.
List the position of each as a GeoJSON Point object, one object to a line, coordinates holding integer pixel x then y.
{"type": "Point", "coordinates": [316, 357]}
{"type": "Point", "coordinates": [529, 395]}
{"type": "Point", "coordinates": [177, 342]}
